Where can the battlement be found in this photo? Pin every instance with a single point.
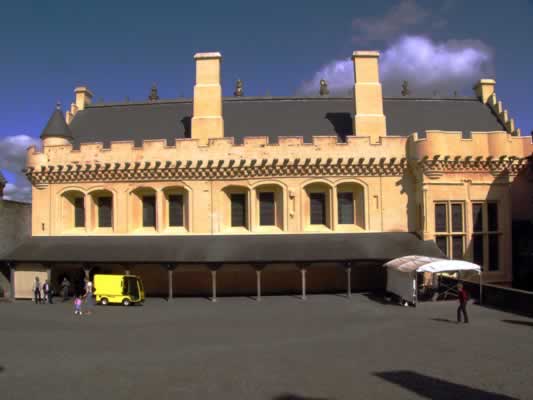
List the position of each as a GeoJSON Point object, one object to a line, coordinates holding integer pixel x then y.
{"type": "Point", "coordinates": [192, 152]}
{"type": "Point", "coordinates": [486, 145]}
{"type": "Point", "coordinates": [257, 151]}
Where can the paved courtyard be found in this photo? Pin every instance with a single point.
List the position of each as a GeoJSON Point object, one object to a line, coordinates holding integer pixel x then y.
{"type": "Point", "coordinates": [282, 348]}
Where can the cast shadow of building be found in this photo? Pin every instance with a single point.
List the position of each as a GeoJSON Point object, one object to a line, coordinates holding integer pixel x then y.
{"type": "Point", "coordinates": [342, 124]}
{"type": "Point", "coordinates": [437, 389]}
{"type": "Point", "coordinates": [292, 396]}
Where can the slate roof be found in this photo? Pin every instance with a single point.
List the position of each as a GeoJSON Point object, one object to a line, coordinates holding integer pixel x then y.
{"type": "Point", "coordinates": [277, 116]}
{"type": "Point", "coordinates": [56, 126]}
{"type": "Point", "coordinates": [202, 249]}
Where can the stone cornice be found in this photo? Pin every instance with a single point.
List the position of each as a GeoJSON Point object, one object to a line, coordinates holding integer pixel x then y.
{"type": "Point", "coordinates": [435, 168]}
{"type": "Point", "coordinates": [219, 170]}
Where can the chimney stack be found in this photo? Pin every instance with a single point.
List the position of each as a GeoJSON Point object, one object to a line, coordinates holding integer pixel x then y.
{"type": "Point", "coordinates": [83, 97]}
{"type": "Point", "coordinates": [207, 121]}
{"type": "Point", "coordinates": [369, 119]}
{"type": "Point", "coordinates": [484, 89]}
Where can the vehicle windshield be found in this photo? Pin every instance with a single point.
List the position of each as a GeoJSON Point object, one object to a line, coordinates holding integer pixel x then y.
{"type": "Point", "coordinates": [131, 288]}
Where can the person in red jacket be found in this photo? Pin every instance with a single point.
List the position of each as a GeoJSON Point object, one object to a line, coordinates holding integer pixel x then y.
{"type": "Point", "coordinates": [463, 299]}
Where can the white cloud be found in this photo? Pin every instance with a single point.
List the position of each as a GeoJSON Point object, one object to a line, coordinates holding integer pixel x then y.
{"type": "Point", "coordinates": [428, 66]}
{"type": "Point", "coordinates": [18, 193]}
{"type": "Point", "coordinates": [13, 159]}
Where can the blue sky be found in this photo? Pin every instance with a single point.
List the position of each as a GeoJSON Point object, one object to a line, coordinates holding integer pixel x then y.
{"type": "Point", "coordinates": [119, 48]}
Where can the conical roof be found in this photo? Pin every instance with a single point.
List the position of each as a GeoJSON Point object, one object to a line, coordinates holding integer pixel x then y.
{"type": "Point", "coordinates": [56, 126]}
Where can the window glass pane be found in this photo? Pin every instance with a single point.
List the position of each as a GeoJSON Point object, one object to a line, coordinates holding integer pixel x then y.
{"type": "Point", "coordinates": [266, 208]}
{"type": "Point", "coordinates": [345, 207]}
{"type": "Point", "coordinates": [477, 215]}
{"type": "Point", "coordinates": [318, 208]}
{"type": "Point", "coordinates": [442, 244]}
{"type": "Point", "coordinates": [494, 253]}
{"type": "Point", "coordinates": [440, 218]}
{"type": "Point", "coordinates": [149, 211]}
{"type": "Point", "coordinates": [457, 218]}
{"type": "Point", "coordinates": [492, 215]}
{"type": "Point", "coordinates": [79, 212]}
{"type": "Point", "coordinates": [105, 212]}
{"type": "Point", "coordinates": [477, 242]}
{"type": "Point", "coordinates": [175, 210]}
{"type": "Point", "coordinates": [238, 209]}
{"type": "Point", "coordinates": [457, 247]}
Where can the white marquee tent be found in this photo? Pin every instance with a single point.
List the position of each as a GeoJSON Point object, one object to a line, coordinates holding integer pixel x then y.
{"type": "Point", "coordinates": [402, 273]}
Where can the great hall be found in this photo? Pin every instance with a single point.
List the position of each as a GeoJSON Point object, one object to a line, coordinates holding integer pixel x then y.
{"type": "Point", "coordinates": [244, 195]}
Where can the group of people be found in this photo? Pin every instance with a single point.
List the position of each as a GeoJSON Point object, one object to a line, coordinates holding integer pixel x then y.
{"type": "Point", "coordinates": [44, 293]}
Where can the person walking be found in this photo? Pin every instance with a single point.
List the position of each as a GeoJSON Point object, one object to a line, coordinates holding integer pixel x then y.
{"type": "Point", "coordinates": [77, 305]}
{"type": "Point", "coordinates": [463, 299]}
{"type": "Point", "coordinates": [37, 290]}
{"type": "Point", "coordinates": [65, 286]}
{"type": "Point", "coordinates": [47, 289]}
{"type": "Point", "coordinates": [89, 301]}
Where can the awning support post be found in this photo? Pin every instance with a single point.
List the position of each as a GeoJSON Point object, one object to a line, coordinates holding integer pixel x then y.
{"type": "Point", "coordinates": [303, 273]}
{"type": "Point", "coordinates": [12, 269]}
{"type": "Point", "coordinates": [480, 286]}
{"type": "Point", "coordinates": [348, 268]}
{"type": "Point", "coordinates": [258, 269]}
{"type": "Point", "coordinates": [170, 272]}
{"type": "Point", "coordinates": [214, 268]}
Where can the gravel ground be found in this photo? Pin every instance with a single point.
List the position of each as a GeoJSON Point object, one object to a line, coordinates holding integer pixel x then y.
{"type": "Point", "coordinates": [281, 348]}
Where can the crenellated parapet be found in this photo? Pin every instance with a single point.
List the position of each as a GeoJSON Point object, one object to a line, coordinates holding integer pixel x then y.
{"type": "Point", "coordinates": [290, 156]}
{"type": "Point", "coordinates": [494, 152]}
{"type": "Point", "coordinates": [220, 159]}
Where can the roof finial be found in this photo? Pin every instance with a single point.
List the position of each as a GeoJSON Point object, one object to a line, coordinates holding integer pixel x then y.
{"type": "Point", "coordinates": [324, 91]}
{"type": "Point", "coordinates": [153, 93]}
{"type": "Point", "coordinates": [239, 92]}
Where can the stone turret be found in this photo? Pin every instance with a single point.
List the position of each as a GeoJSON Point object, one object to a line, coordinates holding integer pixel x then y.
{"type": "Point", "coordinates": [56, 132]}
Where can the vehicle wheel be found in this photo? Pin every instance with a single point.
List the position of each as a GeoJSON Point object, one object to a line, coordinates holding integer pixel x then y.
{"type": "Point", "coordinates": [126, 302]}
{"type": "Point", "coordinates": [104, 302]}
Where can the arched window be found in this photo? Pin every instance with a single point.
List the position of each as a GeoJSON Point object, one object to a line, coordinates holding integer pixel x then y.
{"type": "Point", "coordinates": [317, 207]}
{"type": "Point", "coordinates": [73, 210]}
{"type": "Point", "coordinates": [176, 209]}
{"type": "Point", "coordinates": [269, 207]}
{"type": "Point", "coordinates": [143, 212]}
{"type": "Point", "coordinates": [236, 212]}
{"type": "Point", "coordinates": [102, 209]}
{"type": "Point", "coordinates": [350, 206]}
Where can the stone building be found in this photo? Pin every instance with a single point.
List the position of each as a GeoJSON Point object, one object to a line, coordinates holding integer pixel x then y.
{"type": "Point", "coordinates": [15, 227]}
{"type": "Point", "coordinates": [275, 194]}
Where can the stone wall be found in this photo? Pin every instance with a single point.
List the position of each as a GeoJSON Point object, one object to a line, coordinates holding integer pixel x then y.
{"type": "Point", "coordinates": [15, 226]}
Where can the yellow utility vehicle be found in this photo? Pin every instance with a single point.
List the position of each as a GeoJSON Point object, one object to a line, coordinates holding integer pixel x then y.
{"type": "Point", "coordinates": [118, 289]}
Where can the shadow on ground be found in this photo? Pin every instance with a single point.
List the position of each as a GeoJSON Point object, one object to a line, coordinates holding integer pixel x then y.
{"type": "Point", "coordinates": [380, 298]}
{"type": "Point", "coordinates": [290, 396]}
{"type": "Point", "coordinates": [437, 389]}
{"type": "Point", "coordinates": [518, 322]}
{"type": "Point", "coordinates": [449, 321]}
{"type": "Point", "coordinates": [2, 369]}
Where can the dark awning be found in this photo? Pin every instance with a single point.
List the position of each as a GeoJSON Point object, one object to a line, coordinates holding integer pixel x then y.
{"type": "Point", "coordinates": [282, 248]}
